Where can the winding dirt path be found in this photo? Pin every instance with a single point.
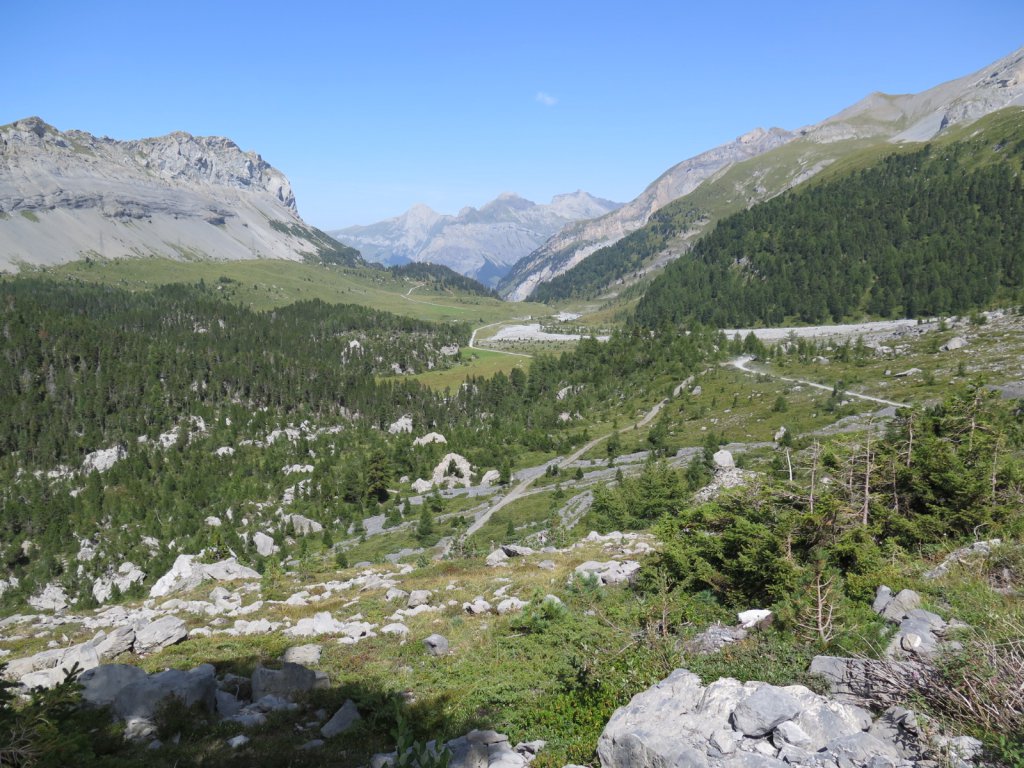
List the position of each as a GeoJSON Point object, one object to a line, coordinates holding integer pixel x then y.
{"type": "Point", "coordinates": [742, 363]}
{"type": "Point", "coordinates": [521, 488]}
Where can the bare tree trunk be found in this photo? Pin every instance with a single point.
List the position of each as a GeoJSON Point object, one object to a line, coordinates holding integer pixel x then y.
{"type": "Point", "coordinates": [867, 478]}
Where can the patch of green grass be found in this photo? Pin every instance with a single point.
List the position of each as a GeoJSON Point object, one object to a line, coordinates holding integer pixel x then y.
{"type": "Point", "coordinates": [475, 362]}
{"type": "Point", "coordinates": [30, 215]}
{"type": "Point", "coordinates": [267, 283]}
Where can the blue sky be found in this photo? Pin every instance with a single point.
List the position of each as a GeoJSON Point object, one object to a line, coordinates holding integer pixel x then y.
{"type": "Point", "coordinates": [371, 109]}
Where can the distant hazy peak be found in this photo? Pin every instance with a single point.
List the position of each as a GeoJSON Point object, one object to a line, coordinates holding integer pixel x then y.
{"type": "Point", "coordinates": [478, 242]}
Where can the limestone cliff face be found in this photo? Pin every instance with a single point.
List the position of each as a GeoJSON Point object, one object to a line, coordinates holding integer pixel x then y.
{"type": "Point", "coordinates": [481, 243]}
{"type": "Point", "coordinates": [878, 117]}
{"type": "Point", "coordinates": [66, 195]}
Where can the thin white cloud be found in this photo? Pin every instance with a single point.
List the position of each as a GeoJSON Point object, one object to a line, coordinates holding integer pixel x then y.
{"type": "Point", "coordinates": [546, 99]}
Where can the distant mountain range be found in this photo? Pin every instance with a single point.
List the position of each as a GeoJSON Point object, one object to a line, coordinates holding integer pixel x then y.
{"type": "Point", "coordinates": [71, 195]}
{"type": "Point", "coordinates": [67, 195]}
{"type": "Point", "coordinates": [481, 243]}
{"type": "Point", "coordinates": [763, 164]}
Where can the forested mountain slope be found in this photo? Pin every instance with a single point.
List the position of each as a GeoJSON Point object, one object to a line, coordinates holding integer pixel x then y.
{"type": "Point", "coordinates": [742, 179]}
{"type": "Point", "coordinates": [939, 229]}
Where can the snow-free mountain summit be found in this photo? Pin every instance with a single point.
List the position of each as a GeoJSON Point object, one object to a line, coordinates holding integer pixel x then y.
{"type": "Point", "coordinates": [67, 195]}
{"type": "Point", "coordinates": [481, 243]}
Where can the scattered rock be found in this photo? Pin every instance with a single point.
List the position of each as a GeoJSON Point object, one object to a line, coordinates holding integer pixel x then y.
{"type": "Point", "coordinates": [957, 342]}
{"type": "Point", "coordinates": [715, 638]}
{"type": "Point", "coordinates": [895, 609]}
{"type": "Point", "coordinates": [477, 607]}
{"type": "Point", "coordinates": [419, 597]}
{"type": "Point", "coordinates": [341, 721]}
{"type": "Point", "coordinates": [436, 645]}
{"type": "Point", "coordinates": [264, 544]}
{"type": "Point", "coordinates": [490, 477]}
{"type": "Point", "coordinates": [497, 558]}
{"type": "Point", "coordinates": [396, 628]}
{"type": "Point", "coordinates": [306, 655]}
{"type": "Point", "coordinates": [978, 549]}
{"type": "Point", "coordinates": [610, 572]}
{"type": "Point", "coordinates": [135, 697]}
{"type": "Point", "coordinates": [303, 526]}
{"type": "Point", "coordinates": [102, 460]}
{"type": "Point", "coordinates": [451, 471]}
{"type": "Point", "coordinates": [286, 682]}
{"type": "Point", "coordinates": [429, 438]}
{"type": "Point", "coordinates": [163, 632]}
{"type": "Point", "coordinates": [516, 550]}
{"type": "Point", "coordinates": [729, 724]}
{"type": "Point", "coordinates": [755, 617]}
{"type": "Point", "coordinates": [51, 598]}
{"type": "Point", "coordinates": [724, 459]}
{"type": "Point", "coordinates": [403, 425]}
{"type": "Point", "coordinates": [511, 605]}
{"type": "Point", "coordinates": [187, 574]}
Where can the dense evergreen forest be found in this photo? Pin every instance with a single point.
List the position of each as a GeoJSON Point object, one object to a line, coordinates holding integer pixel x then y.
{"type": "Point", "coordinates": [84, 366]}
{"type": "Point", "coordinates": [601, 269]}
{"type": "Point", "coordinates": [176, 376]}
{"type": "Point", "coordinates": [934, 231]}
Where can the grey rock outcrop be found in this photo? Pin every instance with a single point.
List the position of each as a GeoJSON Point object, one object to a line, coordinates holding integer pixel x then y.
{"type": "Point", "coordinates": [609, 572]}
{"type": "Point", "coordinates": [306, 655]}
{"type": "Point", "coordinates": [436, 645]}
{"type": "Point", "coordinates": [728, 724]}
{"type": "Point", "coordinates": [868, 682]}
{"type": "Point", "coordinates": [187, 574]}
{"type": "Point", "coordinates": [163, 632]}
{"type": "Point", "coordinates": [477, 606]}
{"type": "Point", "coordinates": [342, 720]}
{"type": "Point", "coordinates": [70, 194]}
{"type": "Point", "coordinates": [51, 598]}
{"type": "Point", "coordinates": [975, 551]}
{"type": "Point", "coordinates": [419, 597]}
{"type": "Point", "coordinates": [714, 638]}
{"type": "Point", "coordinates": [127, 575]}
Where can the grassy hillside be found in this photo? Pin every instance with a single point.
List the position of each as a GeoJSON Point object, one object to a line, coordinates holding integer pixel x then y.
{"type": "Point", "coordinates": [265, 284]}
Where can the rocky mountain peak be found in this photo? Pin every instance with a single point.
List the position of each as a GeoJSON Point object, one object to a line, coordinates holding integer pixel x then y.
{"type": "Point", "coordinates": [480, 243]}
{"type": "Point", "coordinates": [71, 190]}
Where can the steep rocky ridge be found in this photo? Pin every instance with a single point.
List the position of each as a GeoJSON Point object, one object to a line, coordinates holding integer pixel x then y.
{"type": "Point", "coordinates": [576, 242]}
{"type": "Point", "coordinates": [481, 243]}
{"type": "Point", "coordinates": [772, 162]}
{"type": "Point", "coordinates": [65, 195]}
